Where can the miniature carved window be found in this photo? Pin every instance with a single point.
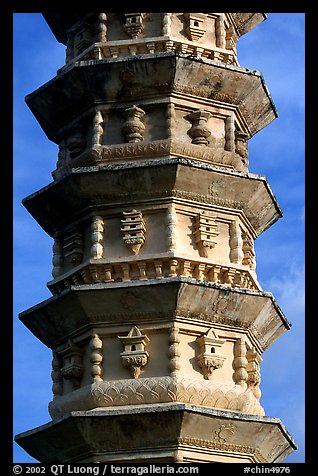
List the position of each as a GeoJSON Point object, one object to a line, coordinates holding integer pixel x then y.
{"type": "Point", "coordinates": [194, 25]}
{"type": "Point", "coordinates": [134, 24]}
{"type": "Point", "coordinates": [134, 230]}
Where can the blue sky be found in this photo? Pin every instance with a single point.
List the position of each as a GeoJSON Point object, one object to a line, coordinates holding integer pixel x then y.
{"type": "Point", "coordinates": [276, 49]}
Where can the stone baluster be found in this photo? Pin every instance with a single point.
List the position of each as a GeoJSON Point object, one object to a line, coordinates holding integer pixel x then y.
{"type": "Point", "coordinates": [166, 30]}
{"type": "Point", "coordinates": [98, 130]}
{"type": "Point", "coordinates": [174, 350]}
{"type": "Point", "coordinates": [240, 363]}
{"type": "Point", "coordinates": [133, 129]}
{"type": "Point", "coordinates": [220, 31]}
{"type": "Point", "coordinates": [57, 379]}
{"type": "Point", "coordinates": [230, 133]}
{"type": "Point", "coordinates": [96, 358]}
{"type": "Point", "coordinates": [102, 28]}
{"type": "Point", "coordinates": [171, 114]}
{"type": "Point", "coordinates": [97, 237]}
{"type": "Point", "coordinates": [199, 133]}
{"type": "Point", "coordinates": [236, 243]}
{"type": "Point", "coordinates": [57, 259]}
{"type": "Point", "coordinates": [171, 226]}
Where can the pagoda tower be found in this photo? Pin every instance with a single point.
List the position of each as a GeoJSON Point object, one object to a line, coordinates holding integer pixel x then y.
{"type": "Point", "coordinates": [157, 322]}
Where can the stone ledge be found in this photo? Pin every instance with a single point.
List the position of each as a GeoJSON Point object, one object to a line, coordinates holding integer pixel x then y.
{"type": "Point", "coordinates": [84, 306]}
{"type": "Point", "coordinates": [150, 433]}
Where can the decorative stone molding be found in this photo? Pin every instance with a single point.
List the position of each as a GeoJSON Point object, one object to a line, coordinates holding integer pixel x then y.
{"type": "Point", "coordinates": [194, 25]}
{"type": "Point", "coordinates": [133, 24]}
{"type": "Point", "coordinates": [199, 133]}
{"type": "Point", "coordinates": [107, 154]}
{"type": "Point", "coordinates": [73, 247]}
{"type": "Point", "coordinates": [97, 237]}
{"type": "Point", "coordinates": [96, 358]}
{"type": "Point", "coordinates": [240, 363]}
{"type": "Point", "coordinates": [134, 356]}
{"type": "Point", "coordinates": [159, 148]}
{"type": "Point", "coordinates": [204, 233]}
{"type": "Point", "coordinates": [160, 390]}
{"type": "Point", "coordinates": [156, 269]}
{"type": "Point", "coordinates": [208, 357]}
{"type": "Point", "coordinates": [221, 445]}
{"type": "Point", "coordinates": [138, 45]}
{"type": "Point", "coordinates": [73, 367]}
{"type": "Point", "coordinates": [134, 230]}
{"type": "Point", "coordinates": [133, 129]}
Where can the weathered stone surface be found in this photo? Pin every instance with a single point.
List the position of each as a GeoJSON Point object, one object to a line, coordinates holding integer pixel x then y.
{"type": "Point", "coordinates": [159, 433]}
{"type": "Point", "coordinates": [82, 307]}
{"type": "Point", "coordinates": [64, 98]}
{"type": "Point", "coordinates": [84, 188]}
{"type": "Point", "coordinates": [158, 322]}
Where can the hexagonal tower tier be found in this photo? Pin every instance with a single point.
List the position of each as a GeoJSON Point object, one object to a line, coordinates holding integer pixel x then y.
{"type": "Point", "coordinates": [157, 321]}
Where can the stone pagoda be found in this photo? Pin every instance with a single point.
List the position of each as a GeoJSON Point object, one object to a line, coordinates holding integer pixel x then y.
{"type": "Point", "coordinates": [157, 321]}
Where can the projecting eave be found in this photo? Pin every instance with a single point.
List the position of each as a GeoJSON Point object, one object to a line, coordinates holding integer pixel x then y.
{"type": "Point", "coordinates": [245, 22]}
{"type": "Point", "coordinates": [86, 188]}
{"type": "Point", "coordinates": [84, 306]}
{"type": "Point", "coordinates": [73, 95]}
